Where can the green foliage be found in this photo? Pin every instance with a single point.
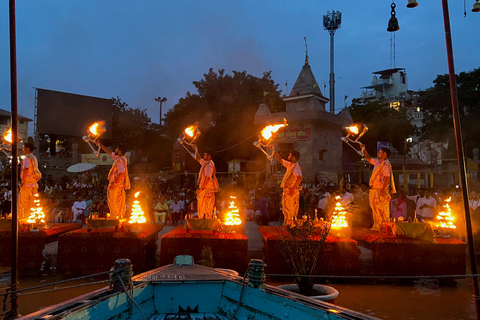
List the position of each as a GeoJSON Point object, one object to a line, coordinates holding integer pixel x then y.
{"type": "Point", "coordinates": [302, 248]}
{"type": "Point", "coordinates": [384, 123]}
{"type": "Point", "coordinates": [207, 257]}
{"type": "Point", "coordinates": [224, 108]}
{"type": "Point", "coordinates": [437, 108]}
{"type": "Point", "coordinates": [134, 129]}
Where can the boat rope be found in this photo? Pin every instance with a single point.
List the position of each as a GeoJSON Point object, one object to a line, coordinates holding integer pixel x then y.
{"type": "Point", "coordinates": [374, 277]}
{"type": "Point", "coordinates": [130, 298]}
{"type": "Point", "coordinates": [60, 282]}
{"type": "Point", "coordinates": [244, 284]}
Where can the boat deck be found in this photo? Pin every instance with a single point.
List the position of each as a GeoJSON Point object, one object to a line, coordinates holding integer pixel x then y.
{"type": "Point", "coordinates": [190, 316]}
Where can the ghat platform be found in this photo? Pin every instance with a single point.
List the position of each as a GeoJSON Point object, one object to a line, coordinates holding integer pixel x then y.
{"type": "Point", "coordinates": [230, 250]}
{"type": "Point", "coordinates": [404, 256]}
{"type": "Point", "coordinates": [340, 256]}
{"type": "Point", "coordinates": [90, 251]}
{"type": "Point", "coordinates": [31, 245]}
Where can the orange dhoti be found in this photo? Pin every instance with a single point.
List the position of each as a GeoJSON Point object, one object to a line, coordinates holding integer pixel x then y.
{"type": "Point", "coordinates": [116, 202]}
{"type": "Point", "coordinates": [25, 201]}
{"type": "Point", "coordinates": [206, 203]}
{"type": "Point", "coordinates": [289, 206]}
{"type": "Point", "coordinates": [380, 207]}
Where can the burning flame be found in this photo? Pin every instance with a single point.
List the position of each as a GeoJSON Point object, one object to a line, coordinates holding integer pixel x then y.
{"type": "Point", "coordinates": [232, 217]}
{"type": "Point", "coordinates": [190, 131]}
{"type": "Point", "coordinates": [94, 128]}
{"type": "Point", "coordinates": [339, 215]}
{"type": "Point", "coordinates": [137, 215]}
{"type": "Point", "coordinates": [445, 218]}
{"type": "Point", "coordinates": [353, 129]}
{"type": "Point", "coordinates": [36, 212]}
{"type": "Point", "coordinates": [8, 136]}
{"type": "Point", "coordinates": [269, 130]}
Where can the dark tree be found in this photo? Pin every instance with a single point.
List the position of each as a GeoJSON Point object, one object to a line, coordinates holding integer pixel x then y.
{"type": "Point", "coordinates": [384, 123]}
{"type": "Point", "coordinates": [224, 109]}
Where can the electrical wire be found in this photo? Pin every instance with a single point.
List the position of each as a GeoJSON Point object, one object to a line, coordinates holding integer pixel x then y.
{"type": "Point", "coordinates": [239, 142]}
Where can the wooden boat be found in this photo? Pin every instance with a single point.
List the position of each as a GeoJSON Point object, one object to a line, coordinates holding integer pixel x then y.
{"type": "Point", "coordinates": [187, 291]}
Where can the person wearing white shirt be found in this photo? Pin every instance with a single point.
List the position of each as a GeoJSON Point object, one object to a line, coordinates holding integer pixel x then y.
{"type": "Point", "coordinates": [474, 201]}
{"type": "Point", "coordinates": [78, 208]}
{"type": "Point", "coordinates": [427, 205]}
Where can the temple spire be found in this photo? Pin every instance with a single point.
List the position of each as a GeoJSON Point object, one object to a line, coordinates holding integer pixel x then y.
{"type": "Point", "coordinates": [306, 51]}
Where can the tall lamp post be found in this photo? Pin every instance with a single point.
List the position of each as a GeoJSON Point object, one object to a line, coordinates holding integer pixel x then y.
{"type": "Point", "coordinates": [161, 100]}
{"type": "Point", "coordinates": [331, 22]}
{"type": "Point", "coordinates": [459, 144]}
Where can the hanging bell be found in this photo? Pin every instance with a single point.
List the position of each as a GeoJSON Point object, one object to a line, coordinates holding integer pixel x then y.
{"type": "Point", "coordinates": [476, 6]}
{"type": "Point", "coordinates": [412, 3]}
{"type": "Point", "coordinates": [393, 24]}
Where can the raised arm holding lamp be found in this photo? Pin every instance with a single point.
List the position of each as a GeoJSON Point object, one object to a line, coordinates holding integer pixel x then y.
{"type": "Point", "coordinates": [290, 185]}
{"type": "Point", "coordinates": [118, 181]}
{"type": "Point", "coordinates": [379, 196]}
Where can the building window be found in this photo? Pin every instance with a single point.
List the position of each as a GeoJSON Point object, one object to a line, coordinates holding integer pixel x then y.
{"type": "Point", "coordinates": [395, 105]}
{"type": "Point", "coordinates": [4, 121]}
{"type": "Point", "coordinates": [321, 153]}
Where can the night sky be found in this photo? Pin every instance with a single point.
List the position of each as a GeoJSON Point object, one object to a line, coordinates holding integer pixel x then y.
{"type": "Point", "coordinates": [139, 50]}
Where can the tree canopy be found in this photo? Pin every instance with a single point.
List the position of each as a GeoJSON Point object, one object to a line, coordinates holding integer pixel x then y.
{"type": "Point", "coordinates": [384, 123]}
{"type": "Point", "coordinates": [437, 108]}
{"type": "Point", "coordinates": [224, 109]}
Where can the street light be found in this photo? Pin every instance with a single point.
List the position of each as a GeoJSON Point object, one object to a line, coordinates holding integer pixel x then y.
{"type": "Point", "coordinates": [161, 100]}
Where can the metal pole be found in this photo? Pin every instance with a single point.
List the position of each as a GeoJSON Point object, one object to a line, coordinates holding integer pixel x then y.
{"type": "Point", "coordinates": [13, 96]}
{"type": "Point", "coordinates": [460, 152]}
{"type": "Point", "coordinates": [332, 73]}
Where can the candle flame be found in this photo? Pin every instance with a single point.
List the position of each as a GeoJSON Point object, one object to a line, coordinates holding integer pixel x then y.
{"type": "Point", "coordinates": [137, 215]}
{"type": "Point", "coordinates": [339, 216]}
{"type": "Point", "coordinates": [232, 217]}
{"type": "Point", "coordinates": [36, 212]}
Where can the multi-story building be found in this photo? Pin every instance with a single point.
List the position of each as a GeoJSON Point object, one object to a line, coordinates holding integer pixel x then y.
{"type": "Point", "coordinates": [391, 86]}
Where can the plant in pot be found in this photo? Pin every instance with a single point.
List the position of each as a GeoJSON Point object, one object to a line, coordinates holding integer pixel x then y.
{"type": "Point", "coordinates": [302, 246]}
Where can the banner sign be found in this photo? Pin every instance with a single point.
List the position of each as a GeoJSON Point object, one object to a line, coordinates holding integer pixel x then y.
{"type": "Point", "coordinates": [102, 160]}
{"type": "Point", "coordinates": [294, 134]}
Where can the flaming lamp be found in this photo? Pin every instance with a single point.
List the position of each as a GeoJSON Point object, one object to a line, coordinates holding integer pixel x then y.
{"type": "Point", "coordinates": [266, 138]}
{"type": "Point", "coordinates": [354, 133]}
{"type": "Point", "coordinates": [231, 218]}
{"type": "Point", "coordinates": [339, 221]}
{"type": "Point", "coordinates": [137, 217]}
{"type": "Point", "coordinates": [6, 145]}
{"type": "Point", "coordinates": [188, 136]}
{"type": "Point", "coordinates": [36, 219]}
{"type": "Point", "coordinates": [94, 133]}
{"type": "Point", "coordinates": [445, 220]}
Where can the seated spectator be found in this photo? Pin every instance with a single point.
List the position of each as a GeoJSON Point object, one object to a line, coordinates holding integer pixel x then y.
{"type": "Point", "coordinates": [161, 210]}
{"type": "Point", "coordinates": [78, 208]}
{"type": "Point", "coordinates": [176, 210]}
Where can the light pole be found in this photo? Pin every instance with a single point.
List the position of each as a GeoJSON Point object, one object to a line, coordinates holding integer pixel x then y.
{"type": "Point", "coordinates": [331, 22]}
{"type": "Point", "coordinates": [161, 100]}
{"type": "Point", "coordinates": [459, 144]}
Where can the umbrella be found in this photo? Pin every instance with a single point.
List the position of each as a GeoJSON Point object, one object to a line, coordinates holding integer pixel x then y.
{"type": "Point", "coordinates": [81, 167]}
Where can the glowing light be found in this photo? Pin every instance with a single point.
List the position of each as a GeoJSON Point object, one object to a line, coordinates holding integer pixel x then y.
{"type": "Point", "coordinates": [269, 130]}
{"type": "Point", "coordinates": [93, 129]}
{"type": "Point", "coordinates": [8, 136]}
{"type": "Point", "coordinates": [137, 215]}
{"type": "Point", "coordinates": [190, 131]}
{"type": "Point", "coordinates": [232, 216]}
{"type": "Point", "coordinates": [36, 212]}
{"type": "Point", "coordinates": [353, 129]}
{"type": "Point", "coordinates": [339, 220]}
{"type": "Point", "coordinates": [445, 218]}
